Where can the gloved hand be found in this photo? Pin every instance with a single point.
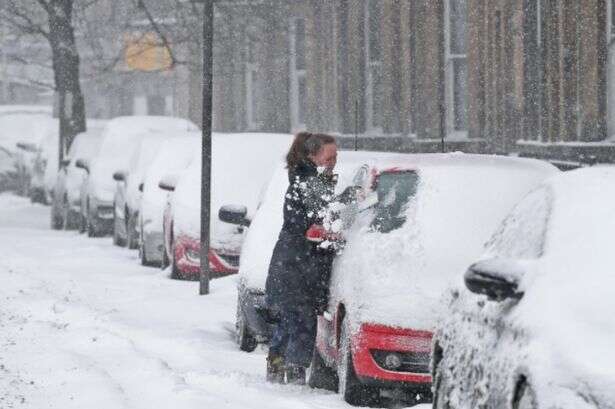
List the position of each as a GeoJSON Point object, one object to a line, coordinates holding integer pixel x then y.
{"type": "Point", "coordinates": [317, 234]}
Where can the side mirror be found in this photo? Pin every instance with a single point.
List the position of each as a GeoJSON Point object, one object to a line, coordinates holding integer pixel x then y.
{"type": "Point", "coordinates": [168, 183]}
{"type": "Point", "coordinates": [498, 279]}
{"type": "Point", "coordinates": [119, 176]}
{"type": "Point", "coordinates": [28, 147]}
{"type": "Point", "coordinates": [141, 187]}
{"type": "Point", "coordinates": [83, 164]}
{"type": "Point", "coordinates": [65, 163]}
{"type": "Point", "coordinates": [234, 215]}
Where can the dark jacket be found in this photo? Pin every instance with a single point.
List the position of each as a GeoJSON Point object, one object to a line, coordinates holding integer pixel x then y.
{"type": "Point", "coordinates": [299, 270]}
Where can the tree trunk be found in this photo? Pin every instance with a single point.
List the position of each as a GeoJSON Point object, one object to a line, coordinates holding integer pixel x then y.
{"type": "Point", "coordinates": [71, 106]}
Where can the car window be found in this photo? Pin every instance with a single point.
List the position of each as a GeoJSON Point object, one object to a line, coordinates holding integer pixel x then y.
{"type": "Point", "coordinates": [394, 191]}
{"type": "Point", "coordinates": [522, 235]}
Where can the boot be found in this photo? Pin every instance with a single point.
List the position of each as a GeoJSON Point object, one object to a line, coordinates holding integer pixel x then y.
{"type": "Point", "coordinates": [295, 375]}
{"type": "Point", "coordinates": [275, 368]}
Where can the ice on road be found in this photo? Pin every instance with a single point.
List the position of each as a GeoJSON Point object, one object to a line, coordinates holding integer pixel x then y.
{"type": "Point", "coordinates": [83, 325]}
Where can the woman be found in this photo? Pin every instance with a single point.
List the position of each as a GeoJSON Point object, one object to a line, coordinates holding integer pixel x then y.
{"type": "Point", "coordinates": [299, 271]}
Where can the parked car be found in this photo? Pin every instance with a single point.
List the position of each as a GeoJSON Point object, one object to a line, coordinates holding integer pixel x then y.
{"type": "Point", "coordinates": [127, 197]}
{"type": "Point", "coordinates": [120, 137]}
{"type": "Point", "coordinates": [258, 155]}
{"type": "Point", "coordinates": [21, 130]}
{"type": "Point", "coordinates": [261, 237]}
{"type": "Point", "coordinates": [423, 218]}
{"type": "Point", "coordinates": [40, 162]}
{"type": "Point", "coordinates": [174, 156]}
{"type": "Point", "coordinates": [66, 200]}
{"type": "Point", "coordinates": [533, 326]}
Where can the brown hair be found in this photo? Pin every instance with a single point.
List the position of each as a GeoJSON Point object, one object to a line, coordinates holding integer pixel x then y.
{"type": "Point", "coordinates": [304, 145]}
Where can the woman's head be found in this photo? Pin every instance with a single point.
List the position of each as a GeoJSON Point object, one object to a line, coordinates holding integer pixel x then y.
{"type": "Point", "coordinates": [319, 148]}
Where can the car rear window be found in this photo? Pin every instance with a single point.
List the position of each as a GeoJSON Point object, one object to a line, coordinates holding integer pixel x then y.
{"type": "Point", "coordinates": [394, 190]}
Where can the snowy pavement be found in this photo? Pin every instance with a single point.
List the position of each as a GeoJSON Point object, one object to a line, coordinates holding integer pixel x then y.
{"type": "Point", "coordinates": [83, 325]}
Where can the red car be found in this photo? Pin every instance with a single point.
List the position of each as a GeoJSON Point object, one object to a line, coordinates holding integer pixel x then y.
{"type": "Point", "coordinates": [181, 230]}
{"type": "Point", "coordinates": [420, 220]}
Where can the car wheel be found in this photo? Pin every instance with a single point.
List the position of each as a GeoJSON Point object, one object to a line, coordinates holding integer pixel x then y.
{"type": "Point", "coordinates": [131, 231]}
{"type": "Point", "coordinates": [525, 398]}
{"type": "Point", "coordinates": [351, 389]}
{"type": "Point", "coordinates": [175, 274]}
{"type": "Point", "coordinates": [244, 338]}
{"type": "Point", "coordinates": [440, 389]}
{"type": "Point", "coordinates": [319, 375]}
{"type": "Point", "coordinates": [56, 221]}
{"type": "Point", "coordinates": [91, 228]}
{"type": "Point", "coordinates": [117, 240]}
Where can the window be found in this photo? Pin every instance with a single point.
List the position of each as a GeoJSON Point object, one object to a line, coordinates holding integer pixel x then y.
{"type": "Point", "coordinates": [522, 234]}
{"type": "Point", "coordinates": [298, 95]}
{"type": "Point", "coordinates": [394, 190]}
{"type": "Point", "coordinates": [252, 93]}
{"type": "Point", "coordinates": [373, 55]}
{"type": "Point", "coordinates": [456, 65]}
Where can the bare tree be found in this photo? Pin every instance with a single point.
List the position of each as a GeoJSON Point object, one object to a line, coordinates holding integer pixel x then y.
{"type": "Point", "coordinates": [53, 20]}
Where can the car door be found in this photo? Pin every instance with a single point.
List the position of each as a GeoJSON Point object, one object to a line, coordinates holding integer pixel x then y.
{"type": "Point", "coordinates": [486, 347]}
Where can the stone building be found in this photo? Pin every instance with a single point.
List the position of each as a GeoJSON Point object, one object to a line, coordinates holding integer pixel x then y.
{"type": "Point", "coordinates": [532, 77]}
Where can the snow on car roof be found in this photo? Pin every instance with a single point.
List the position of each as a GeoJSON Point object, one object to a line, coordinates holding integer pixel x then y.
{"type": "Point", "coordinates": [244, 159]}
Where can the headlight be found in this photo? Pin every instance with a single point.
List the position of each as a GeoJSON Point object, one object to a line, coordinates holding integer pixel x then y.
{"type": "Point", "coordinates": [193, 255]}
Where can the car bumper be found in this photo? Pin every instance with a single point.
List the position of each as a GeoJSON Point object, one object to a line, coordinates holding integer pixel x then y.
{"type": "Point", "coordinates": [371, 346]}
{"type": "Point", "coordinates": [188, 261]}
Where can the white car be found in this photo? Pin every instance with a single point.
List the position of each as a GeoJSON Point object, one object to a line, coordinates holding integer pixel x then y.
{"type": "Point", "coordinates": [121, 136]}
{"type": "Point", "coordinates": [22, 128]}
{"type": "Point", "coordinates": [174, 156]}
{"type": "Point", "coordinates": [533, 327]}
{"type": "Point", "coordinates": [128, 190]}
{"type": "Point", "coordinates": [66, 198]}
{"type": "Point", "coordinates": [424, 217]}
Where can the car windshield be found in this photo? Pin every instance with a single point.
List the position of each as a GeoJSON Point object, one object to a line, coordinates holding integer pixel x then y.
{"type": "Point", "coordinates": [394, 190]}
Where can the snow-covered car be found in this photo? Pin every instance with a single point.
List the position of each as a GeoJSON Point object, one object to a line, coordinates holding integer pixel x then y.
{"type": "Point", "coordinates": [533, 327]}
{"type": "Point", "coordinates": [66, 199]}
{"type": "Point", "coordinates": [423, 218]}
{"type": "Point", "coordinates": [174, 156]}
{"type": "Point", "coordinates": [121, 136]}
{"type": "Point", "coordinates": [245, 160]}
{"type": "Point", "coordinates": [128, 190]}
{"type": "Point", "coordinates": [21, 130]}
{"type": "Point", "coordinates": [265, 226]}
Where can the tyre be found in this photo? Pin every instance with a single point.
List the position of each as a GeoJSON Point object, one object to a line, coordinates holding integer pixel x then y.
{"type": "Point", "coordinates": [244, 338]}
{"type": "Point", "coordinates": [525, 398]}
{"type": "Point", "coordinates": [70, 218]}
{"type": "Point", "coordinates": [90, 227]}
{"type": "Point", "coordinates": [117, 240]}
{"type": "Point", "coordinates": [175, 274]}
{"type": "Point", "coordinates": [351, 389]}
{"type": "Point", "coordinates": [320, 375]}
{"type": "Point", "coordinates": [56, 221]}
{"type": "Point", "coordinates": [440, 390]}
{"type": "Point", "coordinates": [131, 232]}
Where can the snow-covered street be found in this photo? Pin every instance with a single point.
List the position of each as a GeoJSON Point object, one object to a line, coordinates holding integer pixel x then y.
{"type": "Point", "coordinates": [82, 325]}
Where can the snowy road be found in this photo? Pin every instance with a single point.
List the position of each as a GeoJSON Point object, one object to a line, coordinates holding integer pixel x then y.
{"type": "Point", "coordinates": [83, 325]}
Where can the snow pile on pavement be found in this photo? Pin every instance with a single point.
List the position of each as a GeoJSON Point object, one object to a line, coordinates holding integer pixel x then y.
{"type": "Point", "coordinates": [83, 325]}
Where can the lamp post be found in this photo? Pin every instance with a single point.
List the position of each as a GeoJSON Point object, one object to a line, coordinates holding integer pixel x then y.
{"type": "Point", "coordinates": [208, 34]}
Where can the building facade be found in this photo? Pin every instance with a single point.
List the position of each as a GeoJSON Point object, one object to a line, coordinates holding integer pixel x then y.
{"type": "Point", "coordinates": [532, 77]}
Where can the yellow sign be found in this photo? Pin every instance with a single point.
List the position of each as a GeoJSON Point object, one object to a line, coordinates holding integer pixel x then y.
{"type": "Point", "coordinates": [145, 52]}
